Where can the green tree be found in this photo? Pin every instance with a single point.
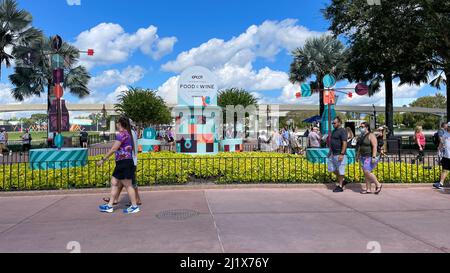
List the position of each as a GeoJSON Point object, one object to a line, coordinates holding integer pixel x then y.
{"type": "Point", "coordinates": [435, 18]}
{"type": "Point", "coordinates": [318, 57]}
{"type": "Point", "coordinates": [15, 30]}
{"type": "Point", "coordinates": [427, 121]}
{"type": "Point", "coordinates": [39, 118]}
{"type": "Point", "coordinates": [383, 43]}
{"type": "Point", "coordinates": [235, 97]}
{"type": "Point", "coordinates": [32, 78]}
{"type": "Point", "coordinates": [144, 107]}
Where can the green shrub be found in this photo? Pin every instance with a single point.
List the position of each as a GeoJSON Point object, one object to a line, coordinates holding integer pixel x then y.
{"type": "Point", "coordinates": [224, 168]}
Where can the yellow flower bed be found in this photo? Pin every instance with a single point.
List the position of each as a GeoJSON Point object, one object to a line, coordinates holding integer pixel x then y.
{"type": "Point", "coordinates": [171, 168]}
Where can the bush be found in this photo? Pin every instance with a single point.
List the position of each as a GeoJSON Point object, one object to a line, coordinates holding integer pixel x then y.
{"type": "Point", "coordinates": [224, 168]}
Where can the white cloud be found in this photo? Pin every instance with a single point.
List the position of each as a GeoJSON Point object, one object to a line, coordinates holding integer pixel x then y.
{"type": "Point", "coordinates": [168, 91]}
{"type": "Point", "coordinates": [113, 45]}
{"type": "Point", "coordinates": [232, 60]}
{"type": "Point", "coordinates": [129, 75]}
{"type": "Point", "coordinates": [74, 2]}
{"type": "Point", "coordinates": [266, 40]}
{"type": "Point", "coordinates": [112, 97]}
{"type": "Point", "coordinates": [6, 98]}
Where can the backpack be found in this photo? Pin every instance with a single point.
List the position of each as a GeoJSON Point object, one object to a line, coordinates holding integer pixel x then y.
{"type": "Point", "coordinates": [436, 139]}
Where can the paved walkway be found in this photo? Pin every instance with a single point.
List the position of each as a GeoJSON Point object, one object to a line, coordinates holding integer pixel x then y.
{"type": "Point", "coordinates": [232, 220]}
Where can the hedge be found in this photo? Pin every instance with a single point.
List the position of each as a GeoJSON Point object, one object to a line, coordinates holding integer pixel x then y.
{"type": "Point", "coordinates": [224, 168]}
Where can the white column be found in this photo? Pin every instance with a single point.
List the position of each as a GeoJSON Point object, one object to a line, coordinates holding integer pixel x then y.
{"type": "Point", "coordinates": [112, 125]}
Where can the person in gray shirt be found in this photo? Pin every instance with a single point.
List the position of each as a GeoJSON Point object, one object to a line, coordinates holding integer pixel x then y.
{"type": "Point", "coordinates": [337, 157]}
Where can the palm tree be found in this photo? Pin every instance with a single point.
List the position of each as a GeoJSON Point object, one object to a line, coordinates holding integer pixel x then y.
{"type": "Point", "coordinates": [34, 73]}
{"type": "Point", "coordinates": [15, 30]}
{"type": "Point", "coordinates": [235, 97]}
{"type": "Point", "coordinates": [318, 57]}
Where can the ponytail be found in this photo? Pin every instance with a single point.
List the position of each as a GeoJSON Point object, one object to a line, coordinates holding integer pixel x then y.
{"type": "Point", "coordinates": [125, 123]}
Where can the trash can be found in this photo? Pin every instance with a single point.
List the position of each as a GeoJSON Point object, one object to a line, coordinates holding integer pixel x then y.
{"type": "Point", "coordinates": [394, 144]}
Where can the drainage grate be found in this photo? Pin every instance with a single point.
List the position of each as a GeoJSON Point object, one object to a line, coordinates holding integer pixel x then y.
{"type": "Point", "coordinates": [177, 214]}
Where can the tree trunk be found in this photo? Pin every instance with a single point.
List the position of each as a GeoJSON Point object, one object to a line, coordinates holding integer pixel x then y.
{"type": "Point", "coordinates": [447, 74]}
{"type": "Point", "coordinates": [389, 103]}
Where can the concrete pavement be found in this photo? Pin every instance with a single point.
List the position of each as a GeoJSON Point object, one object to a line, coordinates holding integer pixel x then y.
{"type": "Point", "coordinates": [232, 220]}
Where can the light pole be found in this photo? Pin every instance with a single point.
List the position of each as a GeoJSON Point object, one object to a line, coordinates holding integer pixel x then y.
{"type": "Point", "coordinates": [375, 114]}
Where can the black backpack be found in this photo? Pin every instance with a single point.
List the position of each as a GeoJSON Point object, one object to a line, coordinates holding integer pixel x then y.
{"type": "Point", "coordinates": [436, 139]}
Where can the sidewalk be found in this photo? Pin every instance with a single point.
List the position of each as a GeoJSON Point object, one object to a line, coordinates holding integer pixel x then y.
{"type": "Point", "coordinates": [310, 219]}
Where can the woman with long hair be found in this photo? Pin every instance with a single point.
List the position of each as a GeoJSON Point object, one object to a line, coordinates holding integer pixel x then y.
{"type": "Point", "coordinates": [124, 171]}
{"type": "Point", "coordinates": [368, 156]}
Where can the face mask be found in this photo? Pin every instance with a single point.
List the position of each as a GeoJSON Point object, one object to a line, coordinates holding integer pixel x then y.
{"type": "Point", "coordinates": [362, 131]}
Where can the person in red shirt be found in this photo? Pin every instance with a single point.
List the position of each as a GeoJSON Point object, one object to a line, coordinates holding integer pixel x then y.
{"type": "Point", "coordinates": [420, 141]}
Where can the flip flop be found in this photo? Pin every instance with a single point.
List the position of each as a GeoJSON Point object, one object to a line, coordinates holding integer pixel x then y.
{"type": "Point", "coordinates": [366, 192]}
{"type": "Point", "coordinates": [106, 199]}
{"type": "Point", "coordinates": [379, 190]}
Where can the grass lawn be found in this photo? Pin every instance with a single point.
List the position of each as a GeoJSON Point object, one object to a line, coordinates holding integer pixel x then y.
{"type": "Point", "coordinates": [14, 136]}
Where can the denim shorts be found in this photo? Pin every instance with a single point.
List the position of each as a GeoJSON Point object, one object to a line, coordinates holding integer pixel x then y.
{"type": "Point", "coordinates": [335, 165]}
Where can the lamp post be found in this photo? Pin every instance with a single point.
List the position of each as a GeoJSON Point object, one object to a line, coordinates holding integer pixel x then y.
{"type": "Point", "coordinates": [374, 114]}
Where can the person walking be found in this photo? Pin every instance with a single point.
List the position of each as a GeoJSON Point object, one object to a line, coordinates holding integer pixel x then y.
{"type": "Point", "coordinates": [3, 141]}
{"type": "Point", "coordinates": [285, 139]}
{"type": "Point", "coordinates": [278, 141]}
{"type": "Point", "coordinates": [437, 139]}
{"type": "Point", "coordinates": [351, 139]}
{"type": "Point", "coordinates": [84, 137]}
{"type": "Point", "coordinates": [368, 157]}
{"type": "Point", "coordinates": [337, 157]}
{"type": "Point", "coordinates": [171, 139]}
{"type": "Point", "coordinates": [445, 162]}
{"type": "Point", "coordinates": [314, 138]}
{"type": "Point", "coordinates": [380, 134]}
{"type": "Point", "coordinates": [135, 161]}
{"type": "Point", "coordinates": [420, 141]}
{"type": "Point", "coordinates": [124, 172]}
{"type": "Point", "coordinates": [26, 141]}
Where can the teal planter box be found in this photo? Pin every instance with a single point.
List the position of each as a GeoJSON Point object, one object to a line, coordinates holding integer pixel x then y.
{"type": "Point", "coordinates": [319, 155]}
{"type": "Point", "coordinates": [48, 159]}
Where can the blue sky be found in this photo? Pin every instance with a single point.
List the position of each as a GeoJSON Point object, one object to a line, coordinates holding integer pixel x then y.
{"type": "Point", "coordinates": [148, 43]}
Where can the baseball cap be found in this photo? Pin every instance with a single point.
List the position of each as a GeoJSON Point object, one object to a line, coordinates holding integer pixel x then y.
{"type": "Point", "coordinates": [448, 124]}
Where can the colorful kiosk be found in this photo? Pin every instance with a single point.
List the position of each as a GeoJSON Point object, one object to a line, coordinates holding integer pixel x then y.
{"type": "Point", "coordinates": [148, 143]}
{"type": "Point", "coordinates": [197, 115]}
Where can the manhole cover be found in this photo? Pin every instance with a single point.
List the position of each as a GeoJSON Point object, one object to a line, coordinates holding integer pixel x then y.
{"type": "Point", "coordinates": [177, 214]}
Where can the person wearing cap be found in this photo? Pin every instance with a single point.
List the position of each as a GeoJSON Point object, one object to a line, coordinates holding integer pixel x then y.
{"type": "Point", "coordinates": [379, 134]}
{"type": "Point", "coordinates": [3, 141]}
{"type": "Point", "coordinates": [445, 162]}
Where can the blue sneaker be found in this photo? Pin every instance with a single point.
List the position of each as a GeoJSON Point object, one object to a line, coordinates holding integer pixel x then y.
{"type": "Point", "coordinates": [106, 208]}
{"type": "Point", "coordinates": [131, 210]}
{"type": "Point", "coordinates": [438, 186]}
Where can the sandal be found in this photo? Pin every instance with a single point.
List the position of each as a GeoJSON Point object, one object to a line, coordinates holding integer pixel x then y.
{"type": "Point", "coordinates": [129, 204]}
{"type": "Point", "coordinates": [379, 190]}
{"type": "Point", "coordinates": [107, 199]}
{"type": "Point", "coordinates": [366, 192]}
